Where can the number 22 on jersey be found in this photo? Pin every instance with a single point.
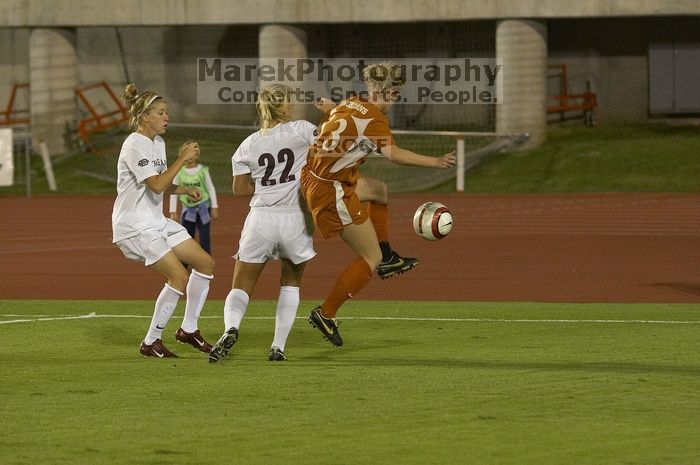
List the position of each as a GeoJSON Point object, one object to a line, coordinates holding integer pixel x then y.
{"type": "Point", "coordinates": [267, 160]}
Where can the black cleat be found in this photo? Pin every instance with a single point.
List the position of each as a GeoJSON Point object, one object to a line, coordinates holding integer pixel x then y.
{"type": "Point", "coordinates": [396, 265]}
{"type": "Point", "coordinates": [328, 326]}
{"type": "Point", "coordinates": [276, 355]}
{"type": "Point", "coordinates": [223, 345]}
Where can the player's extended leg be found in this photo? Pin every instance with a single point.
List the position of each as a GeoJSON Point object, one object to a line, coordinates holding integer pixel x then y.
{"type": "Point", "coordinates": [245, 277]}
{"type": "Point", "coordinates": [287, 306]}
{"type": "Point", "coordinates": [363, 240]}
{"type": "Point", "coordinates": [176, 274]}
{"type": "Point", "coordinates": [376, 193]}
{"type": "Point", "coordinates": [191, 253]}
{"type": "Point", "coordinates": [191, 227]}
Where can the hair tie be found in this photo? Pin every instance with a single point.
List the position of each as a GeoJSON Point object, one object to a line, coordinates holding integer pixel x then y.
{"type": "Point", "coordinates": [148, 104]}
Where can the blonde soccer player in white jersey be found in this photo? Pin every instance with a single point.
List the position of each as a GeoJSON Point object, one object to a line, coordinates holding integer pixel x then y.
{"type": "Point", "coordinates": [267, 166]}
{"type": "Point", "coordinates": [143, 233]}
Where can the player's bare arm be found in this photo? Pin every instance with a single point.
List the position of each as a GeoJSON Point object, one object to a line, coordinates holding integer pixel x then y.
{"type": "Point", "coordinates": [406, 157]}
{"type": "Point", "coordinates": [192, 192]}
{"type": "Point", "coordinates": [243, 185]}
{"type": "Point", "coordinates": [162, 182]}
{"type": "Point", "coordinates": [325, 105]}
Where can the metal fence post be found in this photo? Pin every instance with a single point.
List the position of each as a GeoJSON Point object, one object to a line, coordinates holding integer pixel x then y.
{"type": "Point", "coordinates": [460, 164]}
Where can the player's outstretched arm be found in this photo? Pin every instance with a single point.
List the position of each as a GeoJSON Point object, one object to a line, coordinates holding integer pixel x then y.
{"type": "Point", "coordinates": [243, 185]}
{"type": "Point", "coordinates": [162, 182]}
{"type": "Point", "coordinates": [406, 157]}
{"type": "Point", "coordinates": [324, 105]}
{"type": "Point", "coordinates": [192, 192]}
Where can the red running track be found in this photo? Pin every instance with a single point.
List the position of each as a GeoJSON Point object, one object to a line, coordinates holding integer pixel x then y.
{"type": "Point", "coordinates": [547, 248]}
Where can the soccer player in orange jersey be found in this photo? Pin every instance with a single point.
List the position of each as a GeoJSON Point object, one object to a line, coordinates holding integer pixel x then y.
{"type": "Point", "coordinates": [374, 194]}
{"type": "Point", "coordinates": [355, 128]}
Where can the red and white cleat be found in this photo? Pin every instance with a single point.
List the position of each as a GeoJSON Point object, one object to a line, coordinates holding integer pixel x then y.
{"type": "Point", "coordinates": [194, 339]}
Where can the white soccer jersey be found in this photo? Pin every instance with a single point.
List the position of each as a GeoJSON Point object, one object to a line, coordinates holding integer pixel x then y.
{"type": "Point", "coordinates": [274, 160]}
{"type": "Point", "coordinates": [137, 207]}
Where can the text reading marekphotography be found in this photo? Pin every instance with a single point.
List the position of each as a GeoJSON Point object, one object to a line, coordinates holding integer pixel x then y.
{"type": "Point", "coordinates": [427, 80]}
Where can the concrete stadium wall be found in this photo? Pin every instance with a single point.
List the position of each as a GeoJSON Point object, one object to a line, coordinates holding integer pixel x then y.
{"type": "Point", "coordinates": [23, 13]}
{"type": "Point", "coordinates": [14, 64]}
{"type": "Point", "coordinates": [163, 59]}
{"type": "Point", "coordinates": [157, 58]}
{"type": "Point", "coordinates": [611, 53]}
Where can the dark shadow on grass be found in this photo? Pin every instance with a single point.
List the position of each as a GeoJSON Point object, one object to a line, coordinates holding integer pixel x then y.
{"type": "Point", "coordinates": [592, 367]}
{"type": "Point", "coordinates": [113, 335]}
{"type": "Point", "coordinates": [167, 452]}
{"type": "Point", "coordinates": [683, 287]}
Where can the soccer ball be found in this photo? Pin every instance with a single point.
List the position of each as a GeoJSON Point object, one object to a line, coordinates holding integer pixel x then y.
{"type": "Point", "coordinates": [432, 221]}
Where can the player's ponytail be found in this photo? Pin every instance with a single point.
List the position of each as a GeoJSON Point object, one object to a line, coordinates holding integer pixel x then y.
{"type": "Point", "coordinates": [384, 76]}
{"type": "Point", "coordinates": [274, 105]}
{"type": "Point", "coordinates": [138, 104]}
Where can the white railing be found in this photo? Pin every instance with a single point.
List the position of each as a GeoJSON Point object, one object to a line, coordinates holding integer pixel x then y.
{"type": "Point", "coordinates": [464, 160]}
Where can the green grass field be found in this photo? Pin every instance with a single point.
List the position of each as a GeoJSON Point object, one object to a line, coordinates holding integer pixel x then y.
{"type": "Point", "coordinates": [416, 383]}
{"type": "Point", "coordinates": [618, 158]}
{"type": "Point", "coordinates": [636, 158]}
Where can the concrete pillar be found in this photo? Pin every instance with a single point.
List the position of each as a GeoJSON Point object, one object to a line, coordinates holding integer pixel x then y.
{"type": "Point", "coordinates": [522, 44]}
{"type": "Point", "coordinates": [53, 77]}
{"type": "Point", "coordinates": [278, 41]}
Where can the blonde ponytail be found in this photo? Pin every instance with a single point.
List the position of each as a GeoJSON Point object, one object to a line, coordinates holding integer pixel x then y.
{"type": "Point", "coordinates": [274, 105]}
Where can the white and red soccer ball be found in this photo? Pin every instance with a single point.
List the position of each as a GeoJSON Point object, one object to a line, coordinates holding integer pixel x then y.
{"type": "Point", "coordinates": [432, 221]}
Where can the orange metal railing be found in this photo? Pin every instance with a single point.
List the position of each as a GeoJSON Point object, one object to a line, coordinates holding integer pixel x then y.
{"type": "Point", "coordinates": [11, 115]}
{"type": "Point", "coordinates": [565, 101]}
{"type": "Point", "coordinates": [98, 122]}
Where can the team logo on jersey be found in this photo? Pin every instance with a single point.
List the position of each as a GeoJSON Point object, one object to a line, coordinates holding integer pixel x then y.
{"type": "Point", "coordinates": [143, 162]}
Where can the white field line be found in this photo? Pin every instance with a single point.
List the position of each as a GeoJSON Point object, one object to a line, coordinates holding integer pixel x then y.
{"type": "Point", "coordinates": [76, 317]}
{"type": "Point", "coordinates": [380, 318]}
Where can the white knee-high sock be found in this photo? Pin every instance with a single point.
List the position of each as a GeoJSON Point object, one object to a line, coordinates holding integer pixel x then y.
{"type": "Point", "coordinates": [197, 290]}
{"type": "Point", "coordinates": [287, 305]}
{"type": "Point", "coordinates": [235, 308]}
{"type": "Point", "coordinates": [165, 306]}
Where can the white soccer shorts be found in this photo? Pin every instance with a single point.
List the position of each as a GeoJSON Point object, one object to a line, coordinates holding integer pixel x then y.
{"type": "Point", "coordinates": [274, 232]}
{"type": "Point", "coordinates": [151, 245]}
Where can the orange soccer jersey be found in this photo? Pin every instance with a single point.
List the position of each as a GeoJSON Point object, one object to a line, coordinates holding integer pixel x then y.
{"type": "Point", "coordinates": [355, 129]}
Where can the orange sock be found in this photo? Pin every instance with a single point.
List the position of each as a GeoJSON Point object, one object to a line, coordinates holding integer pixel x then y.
{"type": "Point", "coordinates": [350, 282]}
{"type": "Point", "coordinates": [379, 214]}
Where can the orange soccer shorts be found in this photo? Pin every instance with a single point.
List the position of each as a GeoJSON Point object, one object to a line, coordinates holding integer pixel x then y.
{"type": "Point", "coordinates": [333, 205]}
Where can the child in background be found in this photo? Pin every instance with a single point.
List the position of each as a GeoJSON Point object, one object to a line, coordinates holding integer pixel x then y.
{"type": "Point", "coordinates": [196, 214]}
